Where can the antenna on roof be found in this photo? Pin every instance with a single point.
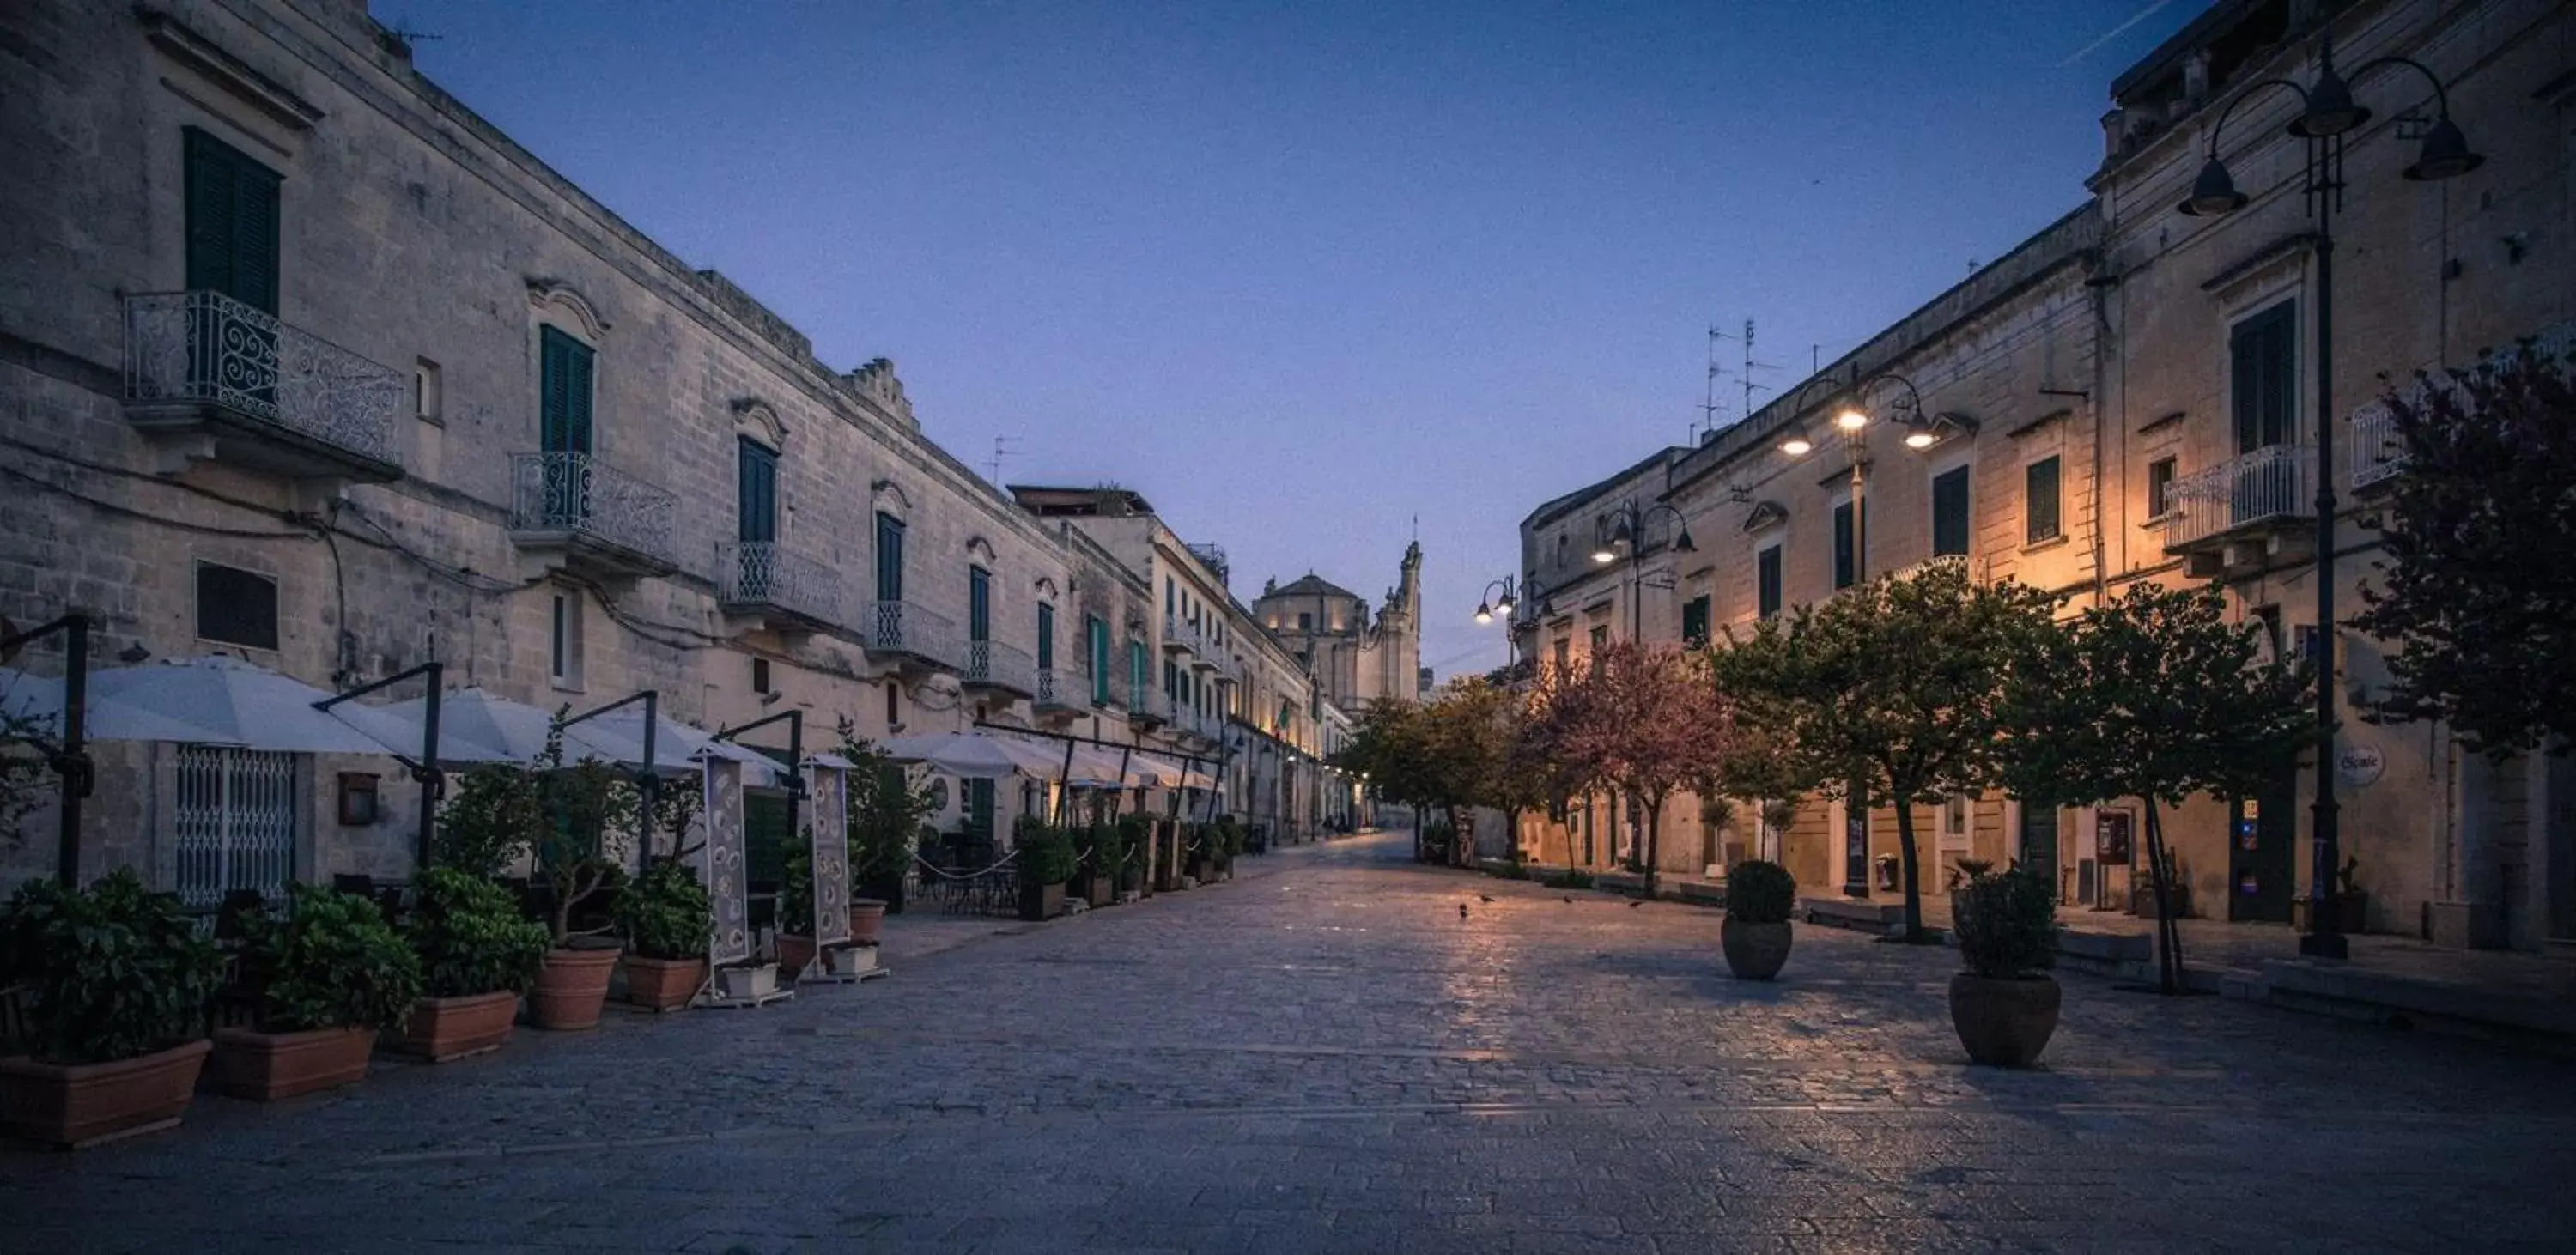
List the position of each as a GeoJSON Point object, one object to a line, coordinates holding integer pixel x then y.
{"type": "Point", "coordinates": [1001, 449]}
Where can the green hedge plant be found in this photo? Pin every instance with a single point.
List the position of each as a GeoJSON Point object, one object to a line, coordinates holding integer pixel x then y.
{"type": "Point", "coordinates": [1046, 854]}
{"type": "Point", "coordinates": [471, 937]}
{"type": "Point", "coordinates": [2007, 924]}
{"type": "Point", "coordinates": [329, 961]}
{"type": "Point", "coordinates": [117, 971]}
{"type": "Point", "coordinates": [1760, 892]}
{"type": "Point", "coordinates": [666, 914]}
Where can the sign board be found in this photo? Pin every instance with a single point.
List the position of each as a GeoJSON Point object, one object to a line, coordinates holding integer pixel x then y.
{"type": "Point", "coordinates": [827, 827]}
{"type": "Point", "coordinates": [2112, 837]}
{"type": "Point", "coordinates": [724, 870]}
{"type": "Point", "coordinates": [2359, 765]}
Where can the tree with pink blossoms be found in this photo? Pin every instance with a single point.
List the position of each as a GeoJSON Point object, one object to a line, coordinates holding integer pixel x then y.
{"type": "Point", "coordinates": [1643, 719]}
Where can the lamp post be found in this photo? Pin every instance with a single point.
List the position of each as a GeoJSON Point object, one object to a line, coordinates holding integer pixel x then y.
{"type": "Point", "coordinates": [1501, 597]}
{"type": "Point", "coordinates": [2327, 111]}
{"type": "Point", "coordinates": [1852, 419]}
{"type": "Point", "coordinates": [1627, 530]}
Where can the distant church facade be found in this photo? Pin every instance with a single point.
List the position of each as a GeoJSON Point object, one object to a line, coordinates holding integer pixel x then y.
{"type": "Point", "coordinates": [1355, 658]}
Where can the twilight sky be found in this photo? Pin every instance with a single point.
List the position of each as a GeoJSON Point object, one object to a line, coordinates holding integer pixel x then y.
{"type": "Point", "coordinates": [1301, 272]}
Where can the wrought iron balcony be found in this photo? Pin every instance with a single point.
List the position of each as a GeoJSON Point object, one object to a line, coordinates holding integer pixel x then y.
{"type": "Point", "coordinates": [2377, 452]}
{"type": "Point", "coordinates": [1946, 561]}
{"type": "Point", "coordinates": [1058, 691]}
{"type": "Point", "coordinates": [1145, 708]}
{"type": "Point", "coordinates": [260, 393]}
{"type": "Point", "coordinates": [1002, 668]}
{"type": "Point", "coordinates": [574, 508]}
{"type": "Point", "coordinates": [912, 635]}
{"type": "Point", "coordinates": [760, 577]}
{"type": "Point", "coordinates": [2239, 513]}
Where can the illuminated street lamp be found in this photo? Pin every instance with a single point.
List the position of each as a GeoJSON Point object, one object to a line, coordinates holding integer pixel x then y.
{"type": "Point", "coordinates": [2327, 110]}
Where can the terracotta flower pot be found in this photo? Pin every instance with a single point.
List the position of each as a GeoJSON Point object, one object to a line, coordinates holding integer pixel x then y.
{"type": "Point", "coordinates": [265, 1067]}
{"type": "Point", "coordinates": [572, 987]}
{"type": "Point", "coordinates": [795, 954]}
{"type": "Point", "coordinates": [663, 984]}
{"type": "Point", "coordinates": [2003, 1023]}
{"type": "Point", "coordinates": [1754, 951]}
{"type": "Point", "coordinates": [867, 915]}
{"type": "Point", "coordinates": [84, 1104]}
{"type": "Point", "coordinates": [441, 1029]}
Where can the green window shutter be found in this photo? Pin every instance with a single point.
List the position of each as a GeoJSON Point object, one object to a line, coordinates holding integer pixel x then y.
{"type": "Point", "coordinates": [232, 228]}
{"type": "Point", "coordinates": [1950, 512]}
{"type": "Point", "coordinates": [563, 392]}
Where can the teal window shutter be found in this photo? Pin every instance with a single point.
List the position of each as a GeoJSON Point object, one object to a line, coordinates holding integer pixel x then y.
{"type": "Point", "coordinates": [563, 392]}
{"type": "Point", "coordinates": [1695, 621]}
{"type": "Point", "coordinates": [232, 227]}
{"type": "Point", "coordinates": [1950, 513]}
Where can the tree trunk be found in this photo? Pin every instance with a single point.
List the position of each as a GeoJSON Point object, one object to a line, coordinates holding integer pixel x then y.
{"type": "Point", "coordinates": [1654, 832]}
{"type": "Point", "coordinates": [2168, 932]}
{"type": "Point", "coordinates": [1905, 854]}
{"type": "Point", "coordinates": [1457, 838]}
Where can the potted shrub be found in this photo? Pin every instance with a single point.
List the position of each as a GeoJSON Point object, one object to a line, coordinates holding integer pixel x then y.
{"type": "Point", "coordinates": [796, 911]}
{"type": "Point", "coordinates": [327, 976]}
{"type": "Point", "coordinates": [1133, 831]}
{"type": "Point", "coordinates": [2005, 1005]}
{"type": "Point", "coordinates": [1229, 844]}
{"type": "Point", "coordinates": [117, 981]}
{"type": "Point", "coordinates": [1045, 863]}
{"type": "Point", "coordinates": [1755, 935]}
{"type": "Point", "coordinates": [885, 815]}
{"type": "Point", "coordinates": [477, 953]}
{"type": "Point", "coordinates": [588, 811]}
{"type": "Point", "coordinates": [667, 918]}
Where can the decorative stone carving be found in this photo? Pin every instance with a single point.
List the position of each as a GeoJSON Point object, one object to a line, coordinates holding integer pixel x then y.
{"type": "Point", "coordinates": [877, 385]}
{"type": "Point", "coordinates": [755, 419]}
{"type": "Point", "coordinates": [554, 294]}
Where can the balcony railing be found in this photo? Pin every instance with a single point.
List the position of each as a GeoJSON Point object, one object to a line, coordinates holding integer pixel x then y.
{"type": "Point", "coordinates": [580, 498]}
{"type": "Point", "coordinates": [2273, 484]}
{"type": "Point", "coordinates": [763, 575]}
{"type": "Point", "coordinates": [992, 664]}
{"type": "Point", "coordinates": [205, 348]}
{"type": "Point", "coordinates": [908, 629]}
{"type": "Point", "coordinates": [1060, 688]}
{"type": "Point", "coordinates": [2378, 452]}
{"type": "Point", "coordinates": [1182, 636]}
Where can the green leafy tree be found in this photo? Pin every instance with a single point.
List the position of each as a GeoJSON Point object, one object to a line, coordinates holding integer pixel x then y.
{"type": "Point", "coordinates": [114, 971]}
{"type": "Point", "coordinates": [1391, 749]}
{"type": "Point", "coordinates": [1894, 688]}
{"type": "Point", "coordinates": [2155, 695]}
{"type": "Point", "coordinates": [667, 913]}
{"type": "Point", "coordinates": [2483, 620]}
{"type": "Point", "coordinates": [590, 810]}
{"type": "Point", "coordinates": [885, 811]}
{"type": "Point", "coordinates": [27, 781]}
{"type": "Point", "coordinates": [471, 938]}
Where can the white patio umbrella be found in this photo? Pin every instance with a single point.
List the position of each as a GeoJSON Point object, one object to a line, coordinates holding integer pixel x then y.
{"type": "Point", "coordinates": [473, 727]}
{"type": "Point", "coordinates": [1095, 767]}
{"type": "Point", "coordinates": [1160, 773]}
{"type": "Point", "coordinates": [221, 701]}
{"type": "Point", "coordinates": [967, 754]}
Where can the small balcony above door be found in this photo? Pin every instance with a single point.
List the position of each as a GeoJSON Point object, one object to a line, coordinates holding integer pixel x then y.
{"type": "Point", "coordinates": [996, 668]}
{"type": "Point", "coordinates": [782, 590]}
{"type": "Point", "coordinates": [1060, 694]}
{"type": "Point", "coordinates": [2246, 514]}
{"type": "Point", "coordinates": [572, 510]}
{"type": "Point", "coordinates": [913, 637]}
{"type": "Point", "coordinates": [211, 378]}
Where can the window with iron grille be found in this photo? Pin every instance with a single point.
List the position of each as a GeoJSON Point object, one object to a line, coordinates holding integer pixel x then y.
{"type": "Point", "coordinates": [1695, 621]}
{"type": "Point", "coordinates": [2160, 477]}
{"type": "Point", "coordinates": [236, 607]}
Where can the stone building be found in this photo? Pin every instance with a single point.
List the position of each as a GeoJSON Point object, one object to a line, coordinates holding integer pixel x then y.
{"type": "Point", "coordinates": [2129, 395]}
{"type": "Point", "coordinates": [303, 362]}
{"type": "Point", "coordinates": [1356, 659]}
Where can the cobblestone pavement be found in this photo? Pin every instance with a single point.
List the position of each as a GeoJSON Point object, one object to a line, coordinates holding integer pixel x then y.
{"type": "Point", "coordinates": [1323, 1056]}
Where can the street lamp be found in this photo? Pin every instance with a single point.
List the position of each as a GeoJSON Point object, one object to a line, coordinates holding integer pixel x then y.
{"type": "Point", "coordinates": [1626, 529]}
{"type": "Point", "coordinates": [1488, 605]}
{"type": "Point", "coordinates": [2326, 111]}
{"type": "Point", "coordinates": [1852, 419]}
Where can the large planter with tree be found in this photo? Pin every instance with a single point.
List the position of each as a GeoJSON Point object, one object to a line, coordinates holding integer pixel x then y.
{"type": "Point", "coordinates": [2005, 1005]}
{"type": "Point", "coordinates": [119, 980]}
{"type": "Point", "coordinates": [588, 811]}
{"type": "Point", "coordinates": [1755, 933]}
{"type": "Point", "coordinates": [867, 919]}
{"type": "Point", "coordinates": [667, 918]}
{"type": "Point", "coordinates": [1045, 863]}
{"type": "Point", "coordinates": [327, 977]}
{"type": "Point", "coordinates": [477, 954]}
{"type": "Point", "coordinates": [885, 813]}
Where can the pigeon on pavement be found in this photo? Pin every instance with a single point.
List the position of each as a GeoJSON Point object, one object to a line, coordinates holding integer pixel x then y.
{"type": "Point", "coordinates": [1462, 910]}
